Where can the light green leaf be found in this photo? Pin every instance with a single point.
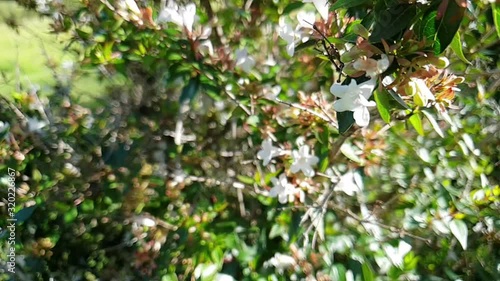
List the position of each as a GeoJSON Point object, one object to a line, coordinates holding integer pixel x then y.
{"type": "Point", "coordinates": [367, 272]}
{"type": "Point", "coordinates": [434, 123]}
{"type": "Point", "coordinates": [456, 46]}
{"type": "Point", "coordinates": [459, 230]}
{"type": "Point", "coordinates": [416, 121]}
{"type": "Point", "coordinates": [496, 17]}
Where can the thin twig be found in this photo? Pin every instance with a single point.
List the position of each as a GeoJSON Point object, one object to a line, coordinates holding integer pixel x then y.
{"type": "Point", "coordinates": [308, 110]}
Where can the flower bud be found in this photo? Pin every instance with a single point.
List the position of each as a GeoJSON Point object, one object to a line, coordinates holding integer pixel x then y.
{"type": "Point", "coordinates": [422, 92]}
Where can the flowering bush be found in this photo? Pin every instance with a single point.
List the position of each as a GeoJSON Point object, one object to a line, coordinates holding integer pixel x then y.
{"type": "Point", "coordinates": [263, 140]}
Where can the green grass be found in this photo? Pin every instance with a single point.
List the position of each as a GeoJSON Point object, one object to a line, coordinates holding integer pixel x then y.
{"type": "Point", "coordinates": [26, 50]}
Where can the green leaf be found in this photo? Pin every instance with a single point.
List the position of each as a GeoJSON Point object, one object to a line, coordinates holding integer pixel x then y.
{"type": "Point", "coordinates": [25, 213]}
{"type": "Point", "coordinates": [456, 46]}
{"type": "Point", "coordinates": [459, 229]}
{"type": "Point", "coordinates": [496, 17]}
{"type": "Point", "coordinates": [398, 99]}
{"type": "Point", "coordinates": [434, 123]}
{"type": "Point", "coordinates": [367, 272]}
{"type": "Point", "coordinates": [440, 25]}
{"type": "Point", "coordinates": [383, 106]}
{"type": "Point", "coordinates": [71, 215]}
{"type": "Point", "coordinates": [392, 21]}
{"type": "Point", "coordinates": [292, 6]}
{"type": "Point", "coordinates": [245, 179]}
{"type": "Point", "coordinates": [190, 90]}
{"type": "Point", "coordinates": [347, 4]}
{"type": "Point", "coordinates": [346, 120]}
{"type": "Point", "coordinates": [416, 121]}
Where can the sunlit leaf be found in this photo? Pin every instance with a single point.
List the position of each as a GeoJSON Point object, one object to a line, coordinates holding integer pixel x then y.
{"type": "Point", "coordinates": [383, 106]}
{"type": "Point", "coordinates": [456, 46]}
{"type": "Point", "coordinates": [459, 230]}
{"type": "Point", "coordinates": [495, 9]}
{"type": "Point", "coordinates": [416, 121]}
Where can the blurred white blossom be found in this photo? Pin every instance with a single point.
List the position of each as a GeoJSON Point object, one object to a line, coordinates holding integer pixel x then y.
{"type": "Point", "coordinates": [35, 125]}
{"type": "Point", "coordinates": [350, 183]}
{"type": "Point", "coordinates": [371, 66]}
{"type": "Point", "coordinates": [281, 262]}
{"type": "Point", "coordinates": [244, 61]}
{"type": "Point", "coordinates": [354, 97]}
{"type": "Point", "coordinates": [322, 6]}
{"type": "Point", "coordinates": [396, 254]}
{"type": "Point", "coordinates": [303, 160]}
{"type": "Point", "coordinates": [183, 16]}
{"type": "Point", "coordinates": [268, 151]}
{"type": "Point", "coordinates": [282, 189]}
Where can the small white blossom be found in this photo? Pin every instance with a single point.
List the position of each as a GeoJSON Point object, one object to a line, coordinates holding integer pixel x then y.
{"type": "Point", "coordinates": [371, 66]}
{"type": "Point", "coordinates": [281, 262]}
{"type": "Point", "coordinates": [183, 16]}
{"type": "Point", "coordinates": [35, 125]}
{"type": "Point", "coordinates": [223, 277]}
{"type": "Point", "coordinates": [422, 93]}
{"type": "Point", "coordinates": [354, 97]}
{"type": "Point", "coordinates": [282, 189]}
{"type": "Point", "coordinates": [322, 6]}
{"type": "Point", "coordinates": [287, 33]}
{"type": "Point", "coordinates": [396, 255]}
{"type": "Point", "coordinates": [268, 151]}
{"type": "Point", "coordinates": [350, 183]}
{"type": "Point", "coordinates": [244, 61]}
{"type": "Point", "coordinates": [303, 160]}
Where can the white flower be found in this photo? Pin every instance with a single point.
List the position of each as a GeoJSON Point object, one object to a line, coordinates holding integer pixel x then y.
{"type": "Point", "coordinates": [4, 127]}
{"type": "Point", "coordinates": [354, 97]}
{"type": "Point", "coordinates": [268, 151]}
{"type": "Point", "coordinates": [223, 277]}
{"type": "Point", "coordinates": [287, 33]}
{"type": "Point", "coordinates": [183, 16]}
{"type": "Point", "coordinates": [422, 93]}
{"type": "Point", "coordinates": [396, 255]}
{"type": "Point", "coordinates": [305, 19]}
{"type": "Point", "coordinates": [35, 125]}
{"type": "Point", "coordinates": [283, 190]}
{"type": "Point", "coordinates": [243, 60]}
{"type": "Point", "coordinates": [350, 183]}
{"type": "Point", "coordinates": [281, 262]}
{"type": "Point", "coordinates": [372, 67]}
{"type": "Point", "coordinates": [129, 10]}
{"type": "Point", "coordinates": [143, 220]}
{"type": "Point", "coordinates": [302, 161]}
{"type": "Point", "coordinates": [322, 7]}
{"type": "Point", "coordinates": [41, 6]}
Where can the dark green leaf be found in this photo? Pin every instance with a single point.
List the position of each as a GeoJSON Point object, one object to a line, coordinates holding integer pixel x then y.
{"type": "Point", "coordinates": [25, 213]}
{"type": "Point", "coordinates": [292, 6]}
{"type": "Point", "coordinates": [71, 215]}
{"type": "Point", "coordinates": [190, 90]}
{"type": "Point", "coordinates": [383, 105]}
{"type": "Point", "coordinates": [346, 120]}
{"type": "Point", "coordinates": [392, 21]}
{"type": "Point", "coordinates": [347, 4]}
{"type": "Point", "coordinates": [440, 25]}
{"type": "Point", "coordinates": [398, 98]}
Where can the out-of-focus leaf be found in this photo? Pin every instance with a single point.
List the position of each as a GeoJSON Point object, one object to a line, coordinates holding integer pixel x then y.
{"type": "Point", "coordinates": [416, 121]}
{"type": "Point", "coordinates": [496, 17]}
{"type": "Point", "coordinates": [245, 179]}
{"type": "Point", "coordinates": [456, 46]}
{"type": "Point", "coordinates": [459, 230]}
{"type": "Point", "coordinates": [383, 106]}
{"type": "Point", "coordinates": [70, 215]}
{"type": "Point", "coordinates": [292, 6]}
{"type": "Point", "coordinates": [190, 90]}
{"type": "Point", "coordinates": [367, 272]}
{"type": "Point", "coordinates": [347, 4]}
{"type": "Point", "coordinates": [434, 123]}
{"type": "Point", "coordinates": [25, 213]}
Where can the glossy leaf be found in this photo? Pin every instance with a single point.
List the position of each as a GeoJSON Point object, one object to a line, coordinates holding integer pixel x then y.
{"type": "Point", "coordinates": [345, 4]}
{"type": "Point", "coordinates": [383, 105]}
{"type": "Point", "coordinates": [346, 120]}
{"type": "Point", "coordinates": [456, 46]}
{"type": "Point", "coordinates": [440, 25]}
{"type": "Point", "coordinates": [391, 21]}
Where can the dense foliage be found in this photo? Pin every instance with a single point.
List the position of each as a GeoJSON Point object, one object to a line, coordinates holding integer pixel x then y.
{"type": "Point", "coordinates": [260, 140]}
